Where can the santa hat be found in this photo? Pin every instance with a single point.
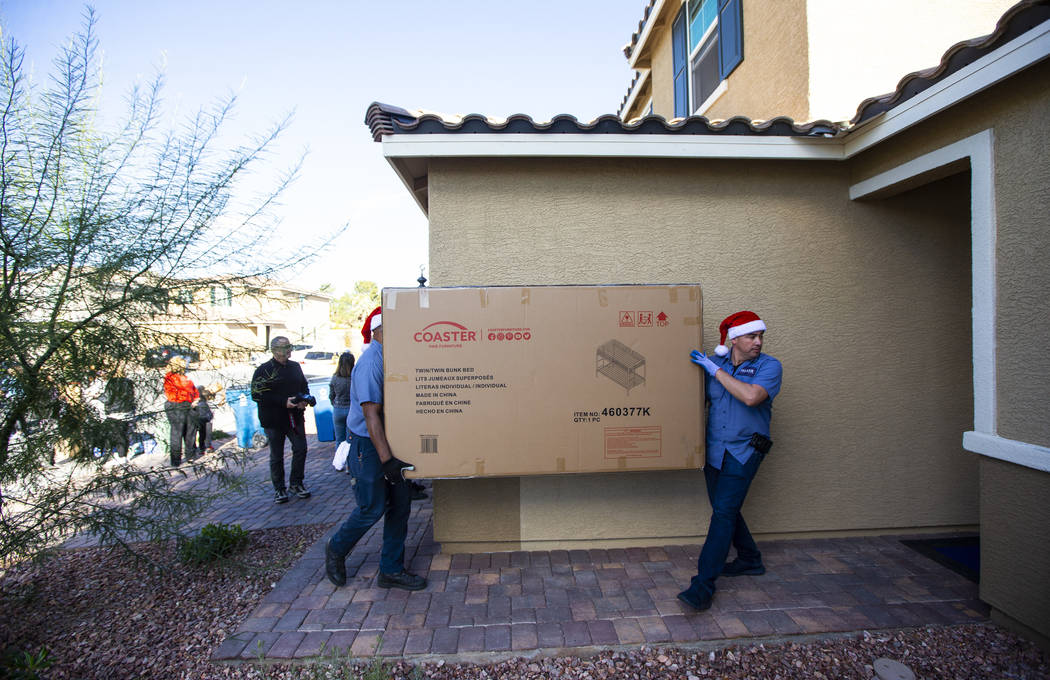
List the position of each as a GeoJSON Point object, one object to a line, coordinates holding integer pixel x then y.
{"type": "Point", "coordinates": [373, 321]}
{"type": "Point", "coordinates": [735, 325]}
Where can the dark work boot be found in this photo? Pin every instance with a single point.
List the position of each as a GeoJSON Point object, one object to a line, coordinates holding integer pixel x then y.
{"type": "Point", "coordinates": [405, 581]}
{"type": "Point", "coordinates": [334, 567]}
{"type": "Point", "coordinates": [698, 601]}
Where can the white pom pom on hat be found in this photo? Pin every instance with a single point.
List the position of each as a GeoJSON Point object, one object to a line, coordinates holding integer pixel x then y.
{"type": "Point", "coordinates": [373, 321]}
{"type": "Point", "coordinates": [735, 325]}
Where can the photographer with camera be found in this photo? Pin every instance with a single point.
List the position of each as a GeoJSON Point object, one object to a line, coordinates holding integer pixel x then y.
{"type": "Point", "coordinates": [380, 487]}
{"type": "Point", "coordinates": [280, 389]}
{"type": "Point", "coordinates": [741, 384]}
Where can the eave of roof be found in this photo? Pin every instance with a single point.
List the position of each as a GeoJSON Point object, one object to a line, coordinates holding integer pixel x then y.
{"type": "Point", "coordinates": [1021, 39]}
{"type": "Point", "coordinates": [640, 83]}
{"type": "Point", "coordinates": [384, 119]}
{"type": "Point", "coordinates": [629, 48]}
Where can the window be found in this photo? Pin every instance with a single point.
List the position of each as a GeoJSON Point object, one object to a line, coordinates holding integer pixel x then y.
{"type": "Point", "coordinates": [705, 76]}
{"type": "Point", "coordinates": [702, 16]}
{"type": "Point", "coordinates": [221, 296]}
{"type": "Point", "coordinates": [716, 47]}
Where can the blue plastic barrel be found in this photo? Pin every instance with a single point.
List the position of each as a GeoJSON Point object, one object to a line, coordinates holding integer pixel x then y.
{"type": "Point", "coordinates": [247, 416]}
{"type": "Point", "coordinates": [323, 419]}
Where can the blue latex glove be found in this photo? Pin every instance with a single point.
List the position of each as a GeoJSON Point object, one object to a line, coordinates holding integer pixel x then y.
{"type": "Point", "coordinates": [700, 359]}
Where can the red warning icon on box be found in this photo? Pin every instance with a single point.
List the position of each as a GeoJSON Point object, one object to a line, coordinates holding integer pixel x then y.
{"type": "Point", "coordinates": [626, 319]}
{"type": "Point", "coordinates": [645, 319]}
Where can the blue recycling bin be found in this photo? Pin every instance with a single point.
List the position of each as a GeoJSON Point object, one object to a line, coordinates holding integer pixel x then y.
{"type": "Point", "coordinates": [323, 420]}
{"type": "Point", "coordinates": [247, 416]}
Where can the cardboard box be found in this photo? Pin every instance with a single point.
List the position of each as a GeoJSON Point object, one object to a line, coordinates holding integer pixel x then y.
{"type": "Point", "coordinates": [502, 381]}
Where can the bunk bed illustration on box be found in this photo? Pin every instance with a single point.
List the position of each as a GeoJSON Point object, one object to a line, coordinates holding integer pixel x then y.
{"type": "Point", "coordinates": [621, 364]}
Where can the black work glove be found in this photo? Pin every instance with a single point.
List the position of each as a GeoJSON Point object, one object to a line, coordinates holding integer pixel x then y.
{"type": "Point", "coordinates": [394, 470]}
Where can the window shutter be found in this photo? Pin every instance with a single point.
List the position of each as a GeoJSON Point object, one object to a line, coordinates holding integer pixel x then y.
{"type": "Point", "coordinates": [730, 36]}
{"type": "Point", "coordinates": [680, 56]}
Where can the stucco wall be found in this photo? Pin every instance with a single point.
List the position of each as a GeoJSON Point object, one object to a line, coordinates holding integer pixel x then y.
{"type": "Point", "coordinates": [773, 79]}
{"type": "Point", "coordinates": [1015, 542]}
{"type": "Point", "coordinates": [812, 59]}
{"type": "Point", "coordinates": [1017, 112]}
{"type": "Point", "coordinates": [662, 75]}
{"type": "Point", "coordinates": [1015, 546]}
{"type": "Point", "coordinates": [869, 421]}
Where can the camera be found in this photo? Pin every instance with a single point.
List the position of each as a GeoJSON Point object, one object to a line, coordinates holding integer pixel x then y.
{"type": "Point", "coordinates": [306, 397]}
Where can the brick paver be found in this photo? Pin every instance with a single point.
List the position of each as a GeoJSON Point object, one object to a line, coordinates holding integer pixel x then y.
{"type": "Point", "coordinates": [520, 601]}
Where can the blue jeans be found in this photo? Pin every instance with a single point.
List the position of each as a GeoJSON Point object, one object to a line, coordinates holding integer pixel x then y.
{"type": "Point", "coordinates": [726, 489]}
{"type": "Point", "coordinates": [375, 496]}
{"type": "Point", "coordinates": [339, 414]}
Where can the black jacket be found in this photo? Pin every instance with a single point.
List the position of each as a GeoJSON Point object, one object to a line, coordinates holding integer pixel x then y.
{"type": "Point", "coordinates": [272, 384]}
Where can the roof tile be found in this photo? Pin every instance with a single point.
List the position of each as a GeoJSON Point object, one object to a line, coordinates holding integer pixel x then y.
{"type": "Point", "coordinates": [384, 119]}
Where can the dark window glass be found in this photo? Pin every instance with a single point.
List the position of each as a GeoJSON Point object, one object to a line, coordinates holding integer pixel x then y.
{"type": "Point", "coordinates": [706, 75]}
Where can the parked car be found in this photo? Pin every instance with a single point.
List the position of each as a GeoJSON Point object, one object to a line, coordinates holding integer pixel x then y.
{"type": "Point", "coordinates": [319, 363]}
{"type": "Point", "coordinates": [319, 358]}
{"type": "Point", "coordinates": [298, 354]}
{"type": "Point", "coordinates": [160, 356]}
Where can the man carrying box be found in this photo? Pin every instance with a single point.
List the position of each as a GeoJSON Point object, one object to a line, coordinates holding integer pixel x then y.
{"type": "Point", "coordinates": [741, 385]}
{"type": "Point", "coordinates": [380, 486]}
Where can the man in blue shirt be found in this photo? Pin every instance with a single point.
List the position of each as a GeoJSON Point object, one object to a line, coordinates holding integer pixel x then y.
{"type": "Point", "coordinates": [380, 486]}
{"type": "Point", "coordinates": [741, 384]}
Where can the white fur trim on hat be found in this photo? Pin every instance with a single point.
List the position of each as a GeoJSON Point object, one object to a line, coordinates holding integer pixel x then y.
{"type": "Point", "coordinates": [745, 328]}
{"type": "Point", "coordinates": [377, 321]}
{"type": "Point", "coordinates": [721, 350]}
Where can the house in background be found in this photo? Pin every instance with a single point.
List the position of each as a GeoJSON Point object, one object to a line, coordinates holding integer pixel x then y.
{"type": "Point", "coordinates": [230, 320]}
{"type": "Point", "coordinates": [899, 260]}
{"type": "Point", "coordinates": [803, 59]}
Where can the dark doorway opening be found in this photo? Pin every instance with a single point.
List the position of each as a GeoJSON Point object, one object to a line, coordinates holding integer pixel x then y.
{"type": "Point", "coordinates": [961, 554]}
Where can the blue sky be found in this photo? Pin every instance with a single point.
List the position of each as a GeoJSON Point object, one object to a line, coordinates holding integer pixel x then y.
{"type": "Point", "coordinates": [326, 61]}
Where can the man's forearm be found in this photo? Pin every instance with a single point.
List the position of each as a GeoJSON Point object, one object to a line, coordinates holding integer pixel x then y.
{"type": "Point", "coordinates": [377, 433]}
{"type": "Point", "coordinates": [752, 395]}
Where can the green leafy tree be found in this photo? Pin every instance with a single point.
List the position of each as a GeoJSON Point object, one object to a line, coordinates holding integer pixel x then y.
{"type": "Point", "coordinates": [350, 309]}
{"type": "Point", "coordinates": [99, 230]}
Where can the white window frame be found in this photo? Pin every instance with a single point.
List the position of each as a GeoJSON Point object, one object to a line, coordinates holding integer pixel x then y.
{"type": "Point", "coordinates": [722, 86]}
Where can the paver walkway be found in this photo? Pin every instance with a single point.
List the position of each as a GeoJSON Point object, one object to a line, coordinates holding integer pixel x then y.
{"type": "Point", "coordinates": [557, 600]}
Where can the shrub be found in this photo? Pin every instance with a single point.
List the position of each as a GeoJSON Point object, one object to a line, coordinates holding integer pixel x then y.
{"type": "Point", "coordinates": [214, 542]}
{"type": "Point", "coordinates": [21, 665]}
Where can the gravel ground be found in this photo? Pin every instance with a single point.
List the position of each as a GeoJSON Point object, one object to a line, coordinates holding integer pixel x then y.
{"type": "Point", "coordinates": [102, 615]}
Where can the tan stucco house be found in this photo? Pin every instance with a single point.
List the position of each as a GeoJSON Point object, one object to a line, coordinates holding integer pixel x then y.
{"type": "Point", "coordinates": [899, 259]}
{"type": "Point", "coordinates": [803, 59]}
{"type": "Point", "coordinates": [231, 319]}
